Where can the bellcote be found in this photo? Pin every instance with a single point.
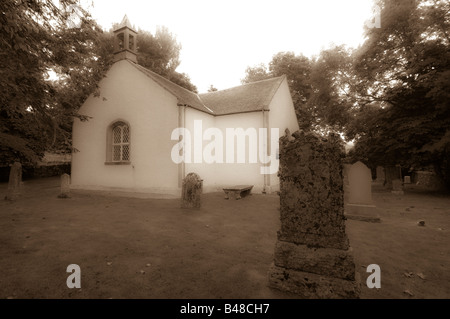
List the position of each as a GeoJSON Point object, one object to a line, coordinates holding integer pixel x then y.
{"type": "Point", "coordinates": [125, 41]}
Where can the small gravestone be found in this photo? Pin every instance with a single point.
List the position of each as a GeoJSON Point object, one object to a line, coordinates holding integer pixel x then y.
{"type": "Point", "coordinates": [397, 187]}
{"type": "Point", "coordinates": [360, 205]}
{"type": "Point", "coordinates": [359, 178]}
{"type": "Point", "coordinates": [380, 175]}
{"type": "Point", "coordinates": [407, 180]}
{"type": "Point", "coordinates": [15, 181]}
{"type": "Point", "coordinates": [191, 191]}
{"type": "Point", "coordinates": [312, 256]}
{"type": "Point", "coordinates": [65, 186]}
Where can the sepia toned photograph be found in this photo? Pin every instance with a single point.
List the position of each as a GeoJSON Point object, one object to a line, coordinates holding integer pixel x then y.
{"type": "Point", "coordinates": [225, 150]}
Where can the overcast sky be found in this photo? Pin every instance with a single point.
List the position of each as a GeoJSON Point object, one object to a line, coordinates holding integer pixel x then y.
{"type": "Point", "coordinates": [221, 38]}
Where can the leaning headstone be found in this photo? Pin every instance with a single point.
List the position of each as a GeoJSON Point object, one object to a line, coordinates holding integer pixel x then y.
{"type": "Point", "coordinates": [360, 205]}
{"type": "Point", "coordinates": [312, 255]}
{"type": "Point", "coordinates": [191, 191]}
{"type": "Point", "coordinates": [15, 182]}
{"type": "Point", "coordinates": [380, 175]}
{"type": "Point", "coordinates": [65, 186]}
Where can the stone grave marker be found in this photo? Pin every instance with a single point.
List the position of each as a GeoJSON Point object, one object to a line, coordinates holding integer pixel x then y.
{"type": "Point", "coordinates": [397, 181]}
{"type": "Point", "coordinates": [380, 175]}
{"type": "Point", "coordinates": [191, 191]}
{"type": "Point", "coordinates": [360, 205]}
{"type": "Point", "coordinates": [15, 182]}
{"type": "Point", "coordinates": [312, 256]}
{"type": "Point", "coordinates": [65, 186]}
{"type": "Point", "coordinates": [397, 187]}
{"type": "Point", "coordinates": [360, 188]}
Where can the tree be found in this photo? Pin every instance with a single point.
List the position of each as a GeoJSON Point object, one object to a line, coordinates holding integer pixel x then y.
{"type": "Point", "coordinates": [161, 54]}
{"type": "Point", "coordinates": [212, 88]}
{"type": "Point", "coordinates": [38, 36]}
{"type": "Point", "coordinates": [256, 73]}
{"type": "Point", "coordinates": [404, 68]}
{"type": "Point", "coordinates": [317, 86]}
{"type": "Point", "coordinates": [183, 80]}
{"type": "Point", "coordinates": [331, 100]}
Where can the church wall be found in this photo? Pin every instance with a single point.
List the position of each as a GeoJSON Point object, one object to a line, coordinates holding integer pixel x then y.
{"type": "Point", "coordinates": [229, 174]}
{"type": "Point", "coordinates": [152, 113]}
{"type": "Point", "coordinates": [204, 170]}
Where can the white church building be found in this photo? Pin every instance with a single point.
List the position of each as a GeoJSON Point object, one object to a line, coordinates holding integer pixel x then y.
{"type": "Point", "coordinates": [145, 133]}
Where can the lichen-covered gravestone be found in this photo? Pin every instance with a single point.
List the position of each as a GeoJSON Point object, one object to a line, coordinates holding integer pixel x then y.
{"type": "Point", "coordinates": [15, 182]}
{"type": "Point", "coordinates": [312, 255]}
{"type": "Point", "coordinates": [191, 191]}
{"type": "Point", "coordinates": [65, 186]}
{"type": "Point", "coordinates": [360, 205]}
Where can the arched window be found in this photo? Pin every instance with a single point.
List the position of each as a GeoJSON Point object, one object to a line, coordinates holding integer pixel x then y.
{"type": "Point", "coordinates": [118, 142]}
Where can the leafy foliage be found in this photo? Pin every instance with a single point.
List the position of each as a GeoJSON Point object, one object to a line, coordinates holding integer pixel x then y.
{"type": "Point", "coordinates": [314, 86]}
{"type": "Point", "coordinates": [391, 95]}
{"type": "Point", "coordinates": [404, 69]}
{"type": "Point", "coordinates": [212, 88]}
{"type": "Point", "coordinates": [38, 36]}
{"type": "Point", "coordinates": [51, 59]}
{"type": "Point", "coordinates": [161, 54]}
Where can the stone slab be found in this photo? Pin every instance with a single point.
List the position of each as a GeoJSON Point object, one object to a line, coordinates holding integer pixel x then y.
{"type": "Point", "coordinates": [337, 241]}
{"type": "Point", "coordinates": [321, 261]}
{"type": "Point", "coordinates": [312, 286]}
{"type": "Point", "coordinates": [367, 213]}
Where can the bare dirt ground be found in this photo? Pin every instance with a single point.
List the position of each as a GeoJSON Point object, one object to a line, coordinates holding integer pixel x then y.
{"type": "Point", "coordinates": [150, 248]}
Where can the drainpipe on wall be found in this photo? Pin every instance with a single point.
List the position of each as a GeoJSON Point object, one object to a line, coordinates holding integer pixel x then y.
{"type": "Point", "coordinates": [181, 124]}
{"type": "Point", "coordinates": [183, 164]}
{"type": "Point", "coordinates": [266, 148]}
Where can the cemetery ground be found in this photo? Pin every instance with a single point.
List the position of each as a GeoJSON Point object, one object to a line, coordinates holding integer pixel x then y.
{"type": "Point", "coordinates": [152, 248]}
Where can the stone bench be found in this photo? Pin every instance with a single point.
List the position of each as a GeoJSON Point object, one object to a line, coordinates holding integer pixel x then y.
{"type": "Point", "coordinates": [238, 190]}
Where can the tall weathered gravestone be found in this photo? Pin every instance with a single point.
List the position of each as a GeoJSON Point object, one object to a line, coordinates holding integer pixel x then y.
{"type": "Point", "coordinates": [360, 205]}
{"type": "Point", "coordinates": [397, 182]}
{"type": "Point", "coordinates": [15, 182]}
{"type": "Point", "coordinates": [191, 191]}
{"type": "Point", "coordinates": [394, 179]}
{"type": "Point", "coordinates": [312, 255]}
{"type": "Point", "coordinates": [65, 186]}
{"type": "Point", "coordinates": [380, 175]}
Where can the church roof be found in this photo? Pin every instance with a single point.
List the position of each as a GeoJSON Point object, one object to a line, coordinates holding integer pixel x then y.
{"type": "Point", "coordinates": [251, 97]}
{"type": "Point", "coordinates": [125, 23]}
{"type": "Point", "coordinates": [183, 95]}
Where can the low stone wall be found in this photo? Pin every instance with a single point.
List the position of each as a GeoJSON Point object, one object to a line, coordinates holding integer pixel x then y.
{"type": "Point", "coordinates": [51, 170]}
{"type": "Point", "coordinates": [427, 180]}
{"type": "Point", "coordinates": [37, 172]}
